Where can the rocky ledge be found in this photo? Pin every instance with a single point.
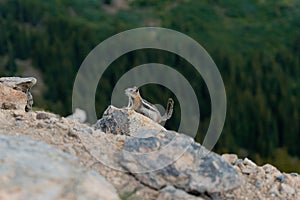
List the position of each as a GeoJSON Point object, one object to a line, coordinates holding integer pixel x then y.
{"type": "Point", "coordinates": [123, 156]}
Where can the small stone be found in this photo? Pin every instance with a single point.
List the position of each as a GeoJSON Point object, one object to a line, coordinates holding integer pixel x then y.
{"type": "Point", "coordinates": [269, 168]}
{"type": "Point", "coordinates": [294, 174]}
{"type": "Point", "coordinates": [19, 123]}
{"type": "Point", "coordinates": [249, 162]}
{"type": "Point", "coordinates": [246, 170]}
{"type": "Point", "coordinates": [8, 106]}
{"type": "Point", "coordinates": [239, 161]}
{"type": "Point", "coordinates": [72, 134]}
{"type": "Point", "coordinates": [280, 178]}
{"type": "Point", "coordinates": [42, 115]}
{"type": "Point", "coordinates": [258, 184]}
{"type": "Point", "coordinates": [18, 113]}
{"type": "Point", "coordinates": [231, 158]}
{"type": "Point", "coordinates": [19, 118]}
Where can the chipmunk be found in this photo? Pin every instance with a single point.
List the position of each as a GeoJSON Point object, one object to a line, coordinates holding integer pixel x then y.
{"type": "Point", "coordinates": [138, 104]}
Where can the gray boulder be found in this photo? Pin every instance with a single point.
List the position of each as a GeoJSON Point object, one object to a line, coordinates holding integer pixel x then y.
{"type": "Point", "coordinates": [125, 122]}
{"type": "Point", "coordinates": [31, 169]}
{"type": "Point", "coordinates": [174, 159]}
{"type": "Point", "coordinates": [160, 158]}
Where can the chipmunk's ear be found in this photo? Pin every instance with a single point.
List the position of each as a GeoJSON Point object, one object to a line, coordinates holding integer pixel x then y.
{"type": "Point", "coordinates": [135, 89]}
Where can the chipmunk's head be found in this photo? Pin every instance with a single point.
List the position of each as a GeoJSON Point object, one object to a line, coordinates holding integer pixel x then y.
{"type": "Point", "coordinates": [132, 92]}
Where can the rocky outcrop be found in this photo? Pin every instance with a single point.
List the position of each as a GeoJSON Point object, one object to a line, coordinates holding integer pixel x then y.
{"type": "Point", "coordinates": [93, 148]}
{"type": "Point", "coordinates": [20, 84]}
{"type": "Point", "coordinates": [158, 158]}
{"type": "Point", "coordinates": [124, 155]}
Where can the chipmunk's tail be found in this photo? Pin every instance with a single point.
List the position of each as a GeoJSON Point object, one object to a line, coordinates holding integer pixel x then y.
{"type": "Point", "coordinates": [169, 110]}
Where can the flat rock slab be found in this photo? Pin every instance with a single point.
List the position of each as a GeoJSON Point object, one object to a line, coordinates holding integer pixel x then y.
{"type": "Point", "coordinates": [30, 169]}
{"type": "Point", "coordinates": [18, 83]}
{"type": "Point", "coordinates": [175, 159]}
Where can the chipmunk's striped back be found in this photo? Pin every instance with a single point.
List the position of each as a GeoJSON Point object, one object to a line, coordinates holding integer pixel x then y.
{"type": "Point", "coordinates": [137, 103]}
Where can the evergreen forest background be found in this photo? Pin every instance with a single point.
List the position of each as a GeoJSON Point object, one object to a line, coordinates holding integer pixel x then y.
{"type": "Point", "coordinates": [255, 44]}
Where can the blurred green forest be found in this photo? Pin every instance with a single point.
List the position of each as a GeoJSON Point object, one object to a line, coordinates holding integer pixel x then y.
{"type": "Point", "coordinates": [255, 44]}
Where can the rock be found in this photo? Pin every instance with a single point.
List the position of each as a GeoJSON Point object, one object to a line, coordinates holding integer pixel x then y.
{"type": "Point", "coordinates": [196, 170]}
{"type": "Point", "coordinates": [170, 193]}
{"type": "Point", "coordinates": [21, 84]}
{"type": "Point", "coordinates": [17, 83]}
{"type": "Point", "coordinates": [294, 174]}
{"type": "Point", "coordinates": [246, 166]}
{"type": "Point", "coordinates": [231, 158]}
{"type": "Point", "coordinates": [34, 170]}
{"type": "Point", "coordinates": [9, 106]}
{"type": "Point", "coordinates": [42, 115]}
{"type": "Point", "coordinates": [18, 123]}
{"type": "Point", "coordinates": [18, 114]}
{"type": "Point", "coordinates": [79, 115]}
{"type": "Point", "coordinates": [125, 122]}
{"type": "Point", "coordinates": [249, 162]}
{"type": "Point", "coordinates": [158, 158]}
{"type": "Point", "coordinates": [247, 170]}
{"type": "Point", "coordinates": [281, 178]}
{"type": "Point", "coordinates": [12, 99]}
{"type": "Point", "coordinates": [269, 168]}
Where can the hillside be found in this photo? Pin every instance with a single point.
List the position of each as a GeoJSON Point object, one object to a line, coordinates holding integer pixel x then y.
{"type": "Point", "coordinates": [255, 45]}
